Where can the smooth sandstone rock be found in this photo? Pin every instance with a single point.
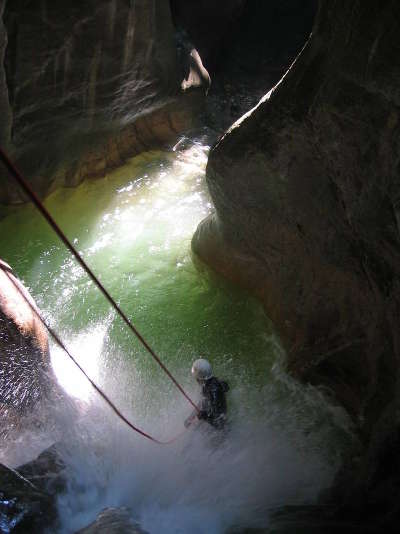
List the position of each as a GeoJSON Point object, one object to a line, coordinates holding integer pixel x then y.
{"type": "Point", "coordinates": [197, 75]}
{"type": "Point", "coordinates": [5, 109]}
{"type": "Point", "coordinates": [306, 190]}
{"type": "Point", "coordinates": [79, 79]}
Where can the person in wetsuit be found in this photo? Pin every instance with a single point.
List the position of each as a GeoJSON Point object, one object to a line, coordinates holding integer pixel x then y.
{"type": "Point", "coordinates": [213, 406]}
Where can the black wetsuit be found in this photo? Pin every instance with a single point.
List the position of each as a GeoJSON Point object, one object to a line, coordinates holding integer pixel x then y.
{"type": "Point", "coordinates": [213, 404]}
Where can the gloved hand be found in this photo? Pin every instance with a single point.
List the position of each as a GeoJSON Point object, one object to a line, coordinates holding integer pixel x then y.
{"type": "Point", "coordinates": [202, 414]}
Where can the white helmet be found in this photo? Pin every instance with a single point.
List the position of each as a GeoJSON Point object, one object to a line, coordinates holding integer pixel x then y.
{"type": "Point", "coordinates": [201, 369]}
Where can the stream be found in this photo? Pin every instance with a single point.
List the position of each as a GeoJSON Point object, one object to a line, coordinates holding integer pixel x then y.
{"type": "Point", "coordinates": [134, 228]}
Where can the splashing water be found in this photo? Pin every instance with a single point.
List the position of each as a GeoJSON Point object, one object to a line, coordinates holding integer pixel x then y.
{"type": "Point", "coordinates": [134, 229]}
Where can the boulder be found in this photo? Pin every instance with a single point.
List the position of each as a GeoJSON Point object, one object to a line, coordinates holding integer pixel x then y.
{"type": "Point", "coordinates": [28, 493]}
{"type": "Point", "coordinates": [23, 507]}
{"type": "Point", "coordinates": [24, 351]}
{"type": "Point", "coordinates": [46, 472]}
{"type": "Point", "coordinates": [113, 521]}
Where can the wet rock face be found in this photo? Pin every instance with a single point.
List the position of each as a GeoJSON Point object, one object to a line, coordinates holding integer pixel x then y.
{"type": "Point", "coordinates": [28, 493]}
{"type": "Point", "coordinates": [5, 110]}
{"type": "Point", "coordinates": [23, 508]}
{"type": "Point", "coordinates": [86, 83]}
{"type": "Point", "coordinates": [77, 62]}
{"type": "Point", "coordinates": [307, 195]}
{"type": "Point", "coordinates": [112, 521]}
{"type": "Point", "coordinates": [24, 352]}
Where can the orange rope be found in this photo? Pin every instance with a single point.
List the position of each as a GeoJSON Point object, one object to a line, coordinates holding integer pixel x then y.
{"type": "Point", "coordinates": [57, 339]}
{"type": "Point", "coordinates": [34, 198]}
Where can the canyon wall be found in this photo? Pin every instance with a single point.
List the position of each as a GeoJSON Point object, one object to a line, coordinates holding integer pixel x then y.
{"type": "Point", "coordinates": [88, 85]}
{"type": "Point", "coordinates": [5, 110]}
{"type": "Point", "coordinates": [307, 215]}
{"type": "Point", "coordinates": [211, 26]}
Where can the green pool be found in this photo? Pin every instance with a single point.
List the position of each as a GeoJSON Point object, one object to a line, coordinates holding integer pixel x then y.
{"type": "Point", "coordinates": [134, 228]}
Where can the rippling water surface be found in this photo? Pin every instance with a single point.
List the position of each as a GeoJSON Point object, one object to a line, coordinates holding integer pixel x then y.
{"type": "Point", "coordinates": [134, 229]}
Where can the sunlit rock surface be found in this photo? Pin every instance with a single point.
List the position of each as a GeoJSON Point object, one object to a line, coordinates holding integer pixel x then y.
{"type": "Point", "coordinates": [196, 75]}
{"type": "Point", "coordinates": [307, 196]}
{"type": "Point", "coordinates": [89, 84]}
{"type": "Point", "coordinates": [24, 352]}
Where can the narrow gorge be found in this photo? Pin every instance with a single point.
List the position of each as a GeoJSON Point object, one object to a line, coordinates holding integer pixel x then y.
{"type": "Point", "coordinates": [230, 172]}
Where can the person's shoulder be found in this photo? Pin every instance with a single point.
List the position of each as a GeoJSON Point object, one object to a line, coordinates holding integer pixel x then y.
{"type": "Point", "coordinates": [212, 384]}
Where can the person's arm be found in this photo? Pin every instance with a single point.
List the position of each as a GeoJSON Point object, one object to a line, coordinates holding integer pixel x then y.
{"type": "Point", "coordinates": [208, 408]}
{"type": "Point", "coordinates": [202, 414]}
{"type": "Point", "coordinates": [225, 386]}
{"type": "Point", "coordinates": [189, 420]}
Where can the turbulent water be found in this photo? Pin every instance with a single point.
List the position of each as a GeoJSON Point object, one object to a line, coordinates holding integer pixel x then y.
{"type": "Point", "coordinates": [134, 228]}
